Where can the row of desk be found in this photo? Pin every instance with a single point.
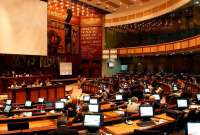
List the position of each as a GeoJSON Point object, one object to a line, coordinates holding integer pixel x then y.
{"type": "Point", "coordinates": [50, 93]}
{"type": "Point", "coordinates": [39, 123]}
{"type": "Point", "coordinates": [48, 121]}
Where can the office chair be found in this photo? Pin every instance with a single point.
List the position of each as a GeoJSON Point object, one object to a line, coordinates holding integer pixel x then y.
{"type": "Point", "coordinates": [180, 119]}
{"type": "Point", "coordinates": [149, 132]}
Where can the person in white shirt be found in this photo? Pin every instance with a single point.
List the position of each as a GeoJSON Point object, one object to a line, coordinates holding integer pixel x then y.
{"type": "Point", "coordinates": [133, 106]}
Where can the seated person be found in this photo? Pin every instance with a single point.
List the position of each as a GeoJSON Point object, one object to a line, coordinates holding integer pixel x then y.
{"type": "Point", "coordinates": [47, 82]}
{"type": "Point", "coordinates": [159, 90]}
{"type": "Point", "coordinates": [81, 110]}
{"type": "Point", "coordinates": [14, 85]}
{"type": "Point", "coordinates": [104, 96]}
{"type": "Point", "coordinates": [62, 129]}
{"type": "Point", "coordinates": [153, 102]}
{"type": "Point", "coordinates": [71, 109]}
{"type": "Point", "coordinates": [36, 83]}
{"type": "Point", "coordinates": [133, 107]}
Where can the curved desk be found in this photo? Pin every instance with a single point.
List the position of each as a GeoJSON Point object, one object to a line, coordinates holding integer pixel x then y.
{"type": "Point", "coordinates": [50, 93]}
{"type": "Point", "coordinates": [48, 122]}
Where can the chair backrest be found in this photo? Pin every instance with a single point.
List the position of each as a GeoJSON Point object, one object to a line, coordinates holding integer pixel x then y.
{"type": "Point", "coordinates": [148, 132]}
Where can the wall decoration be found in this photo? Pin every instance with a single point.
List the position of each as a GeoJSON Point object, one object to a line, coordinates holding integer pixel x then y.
{"type": "Point", "coordinates": [55, 41]}
{"type": "Point", "coordinates": [68, 45]}
{"type": "Point", "coordinates": [75, 39]}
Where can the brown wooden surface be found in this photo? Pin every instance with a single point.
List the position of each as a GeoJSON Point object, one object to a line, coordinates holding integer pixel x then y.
{"type": "Point", "coordinates": [34, 94]}
{"type": "Point", "coordinates": [36, 123]}
{"type": "Point", "coordinates": [123, 128]}
{"type": "Point", "coordinates": [50, 93]}
{"type": "Point", "coordinates": [20, 96]}
{"type": "Point", "coordinates": [43, 93]}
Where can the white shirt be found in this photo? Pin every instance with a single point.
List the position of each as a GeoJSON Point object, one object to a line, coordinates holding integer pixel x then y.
{"type": "Point", "coordinates": [133, 107]}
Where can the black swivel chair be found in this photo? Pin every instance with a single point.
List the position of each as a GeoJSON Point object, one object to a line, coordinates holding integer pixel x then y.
{"type": "Point", "coordinates": [148, 132]}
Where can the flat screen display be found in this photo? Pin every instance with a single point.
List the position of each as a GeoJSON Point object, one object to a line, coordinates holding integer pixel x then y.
{"type": "Point", "coordinates": [28, 104]}
{"type": "Point", "coordinates": [175, 88]}
{"type": "Point", "coordinates": [63, 100]}
{"type": "Point", "coordinates": [7, 108]}
{"type": "Point", "coordinates": [193, 128]}
{"type": "Point", "coordinates": [111, 64]}
{"type": "Point", "coordinates": [121, 90]}
{"type": "Point", "coordinates": [146, 111]}
{"type": "Point", "coordinates": [118, 97]}
{"type": "Point", "coordinates": [65, 68]}
{"type": "Point", "coordinates": [124, 67]}
{"type": "Point", "coordinates": [146, 90]}
{"type": "Point", "coordinates": [86, 98]}
{"type": "Point", "coordinates": [182, 103]}
{"type": "Point", "coordinates": [8, 102]}
{"type": "Point", "coordinates": [93, 101]}
{"type": "Point", "coordinates": [25, 23]}
{"type": "Point", "coordinates": [40, 100]}
{"type": "Point", "coordinates": [156, 96]}
{"type": "Point", "coordinates": [93, 108]}
{"type": "Point", "coordinates": [27, 114]}
{"type": "Point", "coordinates": [59, 105]}
{"type": "Point", "coordinates": [92, 120]}
{"type": "Point", "coordinates": [198, 97]}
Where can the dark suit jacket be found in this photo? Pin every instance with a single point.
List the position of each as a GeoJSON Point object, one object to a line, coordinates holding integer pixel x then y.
{"type": "Point", "coordinates": [63, 130]}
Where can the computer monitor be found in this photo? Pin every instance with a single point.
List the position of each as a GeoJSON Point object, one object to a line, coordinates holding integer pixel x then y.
{"type": "Point", "coordinates": [121, 90]}
{"type": "Point", "coordinates": [86, 98]}
{"type": "Point", "coordinates": [198, 97]}
{"type": "Point", "coordinates": [182, 103]}
{"type": "Point", "coordinates": [175, 88]}
{"type": "Point", "coordinates": [7, 108]}
{"type": "Point", "coordinates": [156, 96]}
{"type": "Point", "coordinates": [48, 104]}
{"type": "Point", "coordinates": [28, 103]}
{"type": "Point", "coordinates": [93, 101]}
{"type": "Point", "coordinates": [146, 112]}
{"type": "Point", "coordinates": [92, 120]}
{"type": "Point", "coordinates": [59, 105]}
{"type": "Point", "coordinates": [118, 97]}
{"type": "Point", "coordinates": [8, 102]}
{"type": "Point", "coordinates": [192, 128]}
{"type": "Point", "coordinates": [40, 100]}
{"type": "Point", "coordinates": [63, 100]}
{"type": "Point", "coordinates": [93, 108]}
{"type": "Point", "coordinates": [146, 90]}
{"type": "Point", "coordinates": [27, 114]}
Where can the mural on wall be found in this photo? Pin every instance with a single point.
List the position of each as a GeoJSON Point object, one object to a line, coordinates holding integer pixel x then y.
{"type": "Point", "coordinates": [68, 45]}
{"type": "Point", "coordinates": [55, 41]}
{"type": "Point", "coordinates": [56, 36]}
{"type": "Point", "coordinates": [75, 39]}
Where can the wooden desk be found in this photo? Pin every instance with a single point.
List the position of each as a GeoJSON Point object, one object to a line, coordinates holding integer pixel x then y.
{"type": "Point", "coordinates": [36, 123]}
{"type": "Point", "coordinates": [107, 107]}
{"type": "Point", "coordinates": [123, 129]}
{"type": "Point", "coordinates": [111, 116]}
{"type": "Point", "coordinates": [50, 93]}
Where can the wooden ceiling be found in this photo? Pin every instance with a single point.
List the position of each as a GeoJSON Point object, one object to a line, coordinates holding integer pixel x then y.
{"type": "Point", "coordinates": [59, 8]}
{"type": "Point", "coordinates": [119, 5]}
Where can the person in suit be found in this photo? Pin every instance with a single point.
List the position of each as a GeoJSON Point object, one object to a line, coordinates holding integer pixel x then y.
{"type": "Point", "coordinates": [62, 129]}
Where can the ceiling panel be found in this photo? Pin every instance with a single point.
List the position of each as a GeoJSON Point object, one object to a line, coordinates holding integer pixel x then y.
{"type": "Point", "coordinates": [118, 5]}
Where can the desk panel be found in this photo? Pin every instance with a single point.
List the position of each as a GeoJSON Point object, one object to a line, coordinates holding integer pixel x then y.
{"type": "Point", "coordinates": [51, 94]}
{"type": "Point", "coordinates": [34, 94]}
{"type": "Point", "coordinates": [43, 93]}
{"type": "Point", "coordinates": [60, 92]}
{"type": "Point", "coordinates": [20, 96]}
